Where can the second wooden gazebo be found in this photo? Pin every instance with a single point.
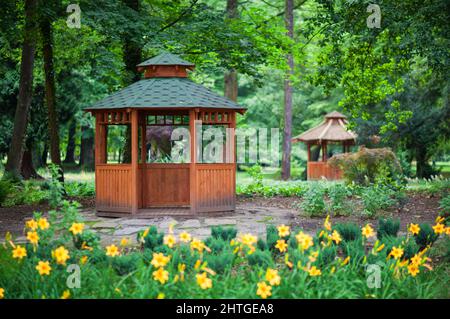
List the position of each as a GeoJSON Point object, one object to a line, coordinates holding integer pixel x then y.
{"type": "Point", "coordinates": [331, 130]}
{"type": "Point", "coordinates": [165, 97]}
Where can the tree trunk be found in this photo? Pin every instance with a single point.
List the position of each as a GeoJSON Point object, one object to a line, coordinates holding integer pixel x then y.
{"type": "Point", "coordinates": [423, 169]}
{"type": "Point", "coordinates": [132, 57]}
{"type": "Point", "coordinates": [27, 168]}
{"type": "Point", "coordinates": [13, 164]}
{"type": "Point", "coordinates": [287, 134]}
{"type": "Point", "coordinates": [44, 154]}
{"type": "Point", "coordinates": [50, 99]}
{"type": "Point", "coordinates": [87, 149]}
{"type": "Point", "coordinates": [230, 77]}
{"type": "Point", "coordinates": [70, 149]}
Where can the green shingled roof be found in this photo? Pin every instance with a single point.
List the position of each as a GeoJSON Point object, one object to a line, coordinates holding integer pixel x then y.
{"type": "Point", "coordinates": [166, 59]}
{"type": "Point", "coordinates": [165, 92]}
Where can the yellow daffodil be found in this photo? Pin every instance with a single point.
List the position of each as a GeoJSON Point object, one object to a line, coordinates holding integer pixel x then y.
{"type": "Point", "coordinates": [77, 228]}
{"type": "Point", "coordinates": [283, 231]}
{"type": "Point", "coordinates": [281, 245]}
{"type": "Point", "coordinates": [161, 275]}
{"type": "Point", "coordinates": [32, 224]}
{"type": "Point", "coordinates": [112, 251]}
{"type": "Point", "coordinates": [439, 228]}
{"type": "Point", "coordinates": [272, 277]}
{"type": "Point", "coordinates": [368, 231]}
{"type": "Point", "coordinates": [43, 223]}
{"type": "Point", "coordinates": [61, 255]}
{"type": "Point", "coordinates": [170, 240]}
{"type": "Point", "coordinates": [396, 252]}
{"type": "Point", "coordinates": [264, 290]}
{"type": "Point", "coordinates": [413, 269]}
{"type": "Point", "coordinates": [327, 223]}
{"type": "Point", "coordinates": [43, 267]}
{"type": "Point", "coordinates": [314, 272]}
{"type": "Point", "coordinates": [159, 260]}
{"type": "Point", "coordinates": [66, 294]}
{"type": "Point", "coordinates": [414, 229]}
{"type": "Point", "coordinates": [19, 252]}
{"type": "Point", "coordinates": [336, 237]}
{"type": "Point", "coordinates": [2, 293]}
{"type": "Point", "coordinates": [304, 240]}
{"type": "Point", "coordinates": [33, 237]}
{"type": "Point", "coordinates": [124, 241]}
{"type": "Point", "coordinates": [185, 237]}
{"type": "Point", "coordinates": [203, 281]}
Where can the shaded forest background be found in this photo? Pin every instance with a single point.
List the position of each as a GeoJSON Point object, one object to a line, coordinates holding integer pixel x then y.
{"type": "Point", "coordinates": [289, 62]}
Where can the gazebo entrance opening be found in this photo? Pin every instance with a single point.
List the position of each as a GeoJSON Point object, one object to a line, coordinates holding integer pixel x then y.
{"type": "Point", "coordinates": [170, 171]}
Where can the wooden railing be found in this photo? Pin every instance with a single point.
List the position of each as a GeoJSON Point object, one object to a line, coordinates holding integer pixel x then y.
{"type": "Point", "coordinates": [215, 187]}
{"type": "Point", "coordinates": [319, 170]}
{"type": "Point", "coordinates": [113, 187]}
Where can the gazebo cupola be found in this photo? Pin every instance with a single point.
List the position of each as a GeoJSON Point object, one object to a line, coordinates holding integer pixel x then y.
{"type": "Point", "coordinates": [164, 100]}
{"type": "Point", "coordinates": [333, 130]}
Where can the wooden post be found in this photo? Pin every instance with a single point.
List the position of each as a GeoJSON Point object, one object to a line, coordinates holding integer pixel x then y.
{"type": "Point", "coordinates": [324, 151]}
{"type": "Point", "coordinates": [143, 143]}
{"type": "Point", "coordinates": [135, 185]}
{"type": "Point", "coordinates": [233, 154]}
{"type": "Point", "coordinates": [100, 140]}
{"type": "Point", "coordinates": [309, 152]}
{"type": "Point", "coordinates": [192, 165]}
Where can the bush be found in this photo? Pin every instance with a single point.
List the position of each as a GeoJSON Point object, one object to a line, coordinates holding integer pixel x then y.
{"type": "Point", "coordinates": [260, 258]}
{"type": "Point", "coordinates": [153, 238]}
{"type": "Point", "coordinates": [444, 204]}
{"type": "Point", "coordinates": [89, 238]}
{"type": "Point", "coordinates": [348, 231]}
{"type": "Point", "coordinates": [426, 236]}
{"type": "Point", "coordinates": [376, 197]}
{"type": "Point", "coordinates": [313, 203]}
{"type": "Point", "coordinates": [5, 189]}
{"type": "Point", "coordinates": [388, 227]}
{"type": "Point", "coordinates": [224, 233]}
{"type": "Point", "coordinates": [366, 165]}
{"type": "Point", "coordinates": [338, 199]}
{"type": "Point", "coordinates": [221, 262]}
{"type": "Point", "coordinates": [125, 264]}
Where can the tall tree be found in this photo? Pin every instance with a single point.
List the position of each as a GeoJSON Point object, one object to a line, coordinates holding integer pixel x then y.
{"type": "Point", "coordinates": [70, 149]}
{"type": "Point", "coordinates": [287, 133]}
{"type": "Point", "coordinates": [13, 164]}
{"type": "Point", "coordinates": [231, 77]}
{"type": "Point", "coordinates": [50, 97]}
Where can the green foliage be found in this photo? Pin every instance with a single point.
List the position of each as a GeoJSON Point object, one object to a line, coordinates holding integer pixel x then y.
{"type": "Point", "coordinates": [262, 258]}
{"type": "Point", "coordinates": [271, 236]}
{"type": "Point", "coordinates": [388, 227]}
{"type": "Point", "coordinates": [376, 197]}
{"type": "Point", "coordinates": [313, 201]}
{"type": "Point", "coordinates": [126, 264]}
{"type": "Point", "coordinates": [426, 236]}
{"type": "Point", "coordinates": [444, 204]}
{"type": "Point", "coordinates": [79, 189]}
{"type": "Point", "coordinates": [5, 189]}
{"type": "Point", "coordinates": [348, 231]}
{"type": "Point", "coordinates": [153, 238]}
{"type": "Point", "coordinates": [339, 202]}
{"type": "Point", "coordinates": [220, 262]}
{"type": "Point", "coordinates": [55, 186]}
{"type": "Point", "coordinates": [89, 238]}
{"type": "Point", "coordinates": [224, 233]}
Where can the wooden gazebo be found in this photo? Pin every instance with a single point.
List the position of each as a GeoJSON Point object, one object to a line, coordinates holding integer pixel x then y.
{"type": "Point", "coordinates": [331, 131]}
{"type": "Point", "coordinates": [164, 97]}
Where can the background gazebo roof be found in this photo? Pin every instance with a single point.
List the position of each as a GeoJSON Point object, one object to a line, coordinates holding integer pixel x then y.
{"type": "Point", "coordinates": [333, 129]}
{"type": "Point", "coordinates": [165, 93]}
{"type": "Point", "coordinates": [166, 58]}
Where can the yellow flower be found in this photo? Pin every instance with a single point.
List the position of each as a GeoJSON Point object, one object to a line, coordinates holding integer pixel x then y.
{"type": "Point", "coordinates": [19, 252]}
{"type": "Point", "coordinates": [32, 224]}
{"type": "Point", "coordinates": [84, 246]}
{"type": "Point", "coordinates": [439, 228]}
{"type": "Point", "coordinates": [281, 245]}
{"type": "Point", "coordinates": [380, 248]}
{"type": "Point", "coordinates": [161, 275]}
{"type": "Point", "coordinates": [313, 272]}
{"type": "Point", "coordinates": [336, 237]}
{"type": "Point", "coordinates": [203, 281]}
{"type": "Point", "coordinates": [414, 229]}
{"type": "Point", "coordinates": [416, 260]}
{"type": "Point", "coordinates": [83, 260]}
{"type": "Point", "coordinates": [283, 231]}
{"type": "Point", "coordinates": [272, 277]}
{"type": "Point", "coordinates": [305, 241]}
{"type": "Point", "coordinates": [439, 219]}
{"type": "Point", "coordinates": [413, 269]}
{"type": "Point", "coordinates": [124, 241]}
{"type": "Point", "coordinates": [43, 223]}
{"type": "Point", "coordinates": [185, 237]}
{"type": "Point", "coordinates": [248, 239]}
{"type": "Point", "coordinates": [346, 261]}
{"type": "Point", "coordinates": [159, 260]}
{"type": "Point", "coordinates": [2, 293]}
{"type": "Point", "coordinates": [43, 268]}
{"type": "Point", "coordinates": [327, 224]}
{"type": "Point", "coordinates": [447, 230]}
{"type": "Point", "coordinates": [77, 228]}
{"type": "Point", "coordinates": [197, 244]}
{"type": "Point", "coordinates": [145, 233]}
{"type": "Point", "coordinates": [66, 294]}
{"type": "Point", "coordinates": [313, 256]}
{"type": "Point", "coordinates": [264, 290]}
{"type": "Point", "coordinates": [396, 252]}
{"type": "Point", "coordinates": [367, 231]}
{"type": "Point", "coordinates": [170, 240]}
{"type": "Point", "coordinates": [112, 250]}
{"type": "Point", "coordinates": [160, 296]}
{"type": "Point", "coordinates": [33, 237]}
{"type": "Point", "coordinates": [61, 255]}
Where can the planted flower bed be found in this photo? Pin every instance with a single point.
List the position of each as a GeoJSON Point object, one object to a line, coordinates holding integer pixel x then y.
{"type": "Point", "coordinates": [63, 259]}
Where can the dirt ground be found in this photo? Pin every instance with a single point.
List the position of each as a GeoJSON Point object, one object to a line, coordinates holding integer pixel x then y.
{"type": "Point", "coordinates": [417, 208]}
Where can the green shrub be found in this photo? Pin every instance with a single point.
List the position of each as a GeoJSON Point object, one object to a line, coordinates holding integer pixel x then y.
{"type": "Point", "coordinates": [125, 264]}
{"type": "Point", "coordinates": [348, 231]}
{"type": "Point", "coordinates": [261, 244]}
{"type": "Point", "coordinates": [271, 236]}
{"type": "Point", "coordinates": [388, 227]}
{"type": "Point", "coordinates": [313, 203]}
{"type": "Point", "coordinates": [260, 258]}
{"type": "Point", "coordinates": [153, 238]}
{"type": "Point", "coordinates": [426, 236]}
{"type": "Point", "coordinates": [338, 199]}
{"type": "Point", "coordinates": [327, 255]}
{"type": "Point", "coordinates": [5, 189]}
{"type": "Point", "coordinates": [221, 262]}
{"type": "Point", "coordinates": [224, 233]}
{"type": "Point", "coordinates": [88, 237]}
{"type": "Point", "coordinates": [376, 197]}
{"type": "Point", "coordinates": [216, 245]}
{"type": "Point", "coordinates": [444, 204]}
{"type": "Point", "coordinates": [410, 247]}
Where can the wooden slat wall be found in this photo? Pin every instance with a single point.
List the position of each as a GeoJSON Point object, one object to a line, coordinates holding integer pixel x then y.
{"type": "Point", "coordinates": [318, 170]}
{"type": "Point", "coordinates": [113, 187]}
{"type": "Point", "coordinates": [165, 185]}
{"type": "Point", "coordinates": [215, 187]}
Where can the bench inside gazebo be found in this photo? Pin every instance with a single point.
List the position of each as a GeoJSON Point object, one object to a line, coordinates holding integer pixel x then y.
{"type": "Point", "coordinates": [331, 131]}
{"type": "Point", "coordinates": [165, 97]}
